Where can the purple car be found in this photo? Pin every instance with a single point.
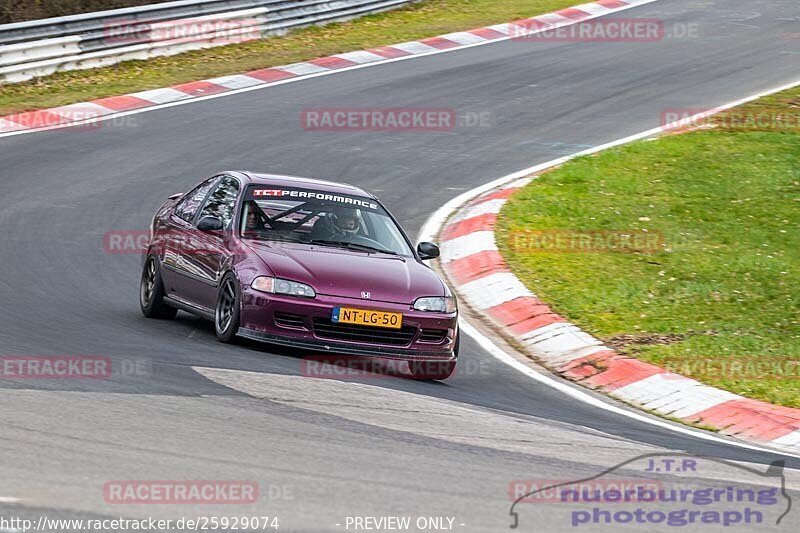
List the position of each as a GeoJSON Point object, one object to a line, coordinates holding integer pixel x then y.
{"type": "Point", "coordinates": [303, 263]}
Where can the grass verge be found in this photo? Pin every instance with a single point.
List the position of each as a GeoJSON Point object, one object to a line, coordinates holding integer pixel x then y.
{"type": "Point", "coordinates": [711, 288]}
{"type": "Point", "coordinates": [425, 19]}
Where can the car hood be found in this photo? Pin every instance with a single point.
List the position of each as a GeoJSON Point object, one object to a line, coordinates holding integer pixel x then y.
{"type": "Point", "coordinates": [348, 273]}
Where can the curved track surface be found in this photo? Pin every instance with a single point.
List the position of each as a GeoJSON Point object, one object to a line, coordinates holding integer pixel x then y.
{"type": "Point", "coordinates": [335, 448]}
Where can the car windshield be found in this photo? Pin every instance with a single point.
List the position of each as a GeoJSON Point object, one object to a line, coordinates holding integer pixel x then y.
{"type": "Point", "coordinates": [321, 218]}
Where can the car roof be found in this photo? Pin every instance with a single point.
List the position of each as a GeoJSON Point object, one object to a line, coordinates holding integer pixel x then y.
{"type": "Point", "coordinates": [280, 180]}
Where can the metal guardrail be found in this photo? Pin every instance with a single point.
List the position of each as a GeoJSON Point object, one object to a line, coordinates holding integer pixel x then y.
{"type": "Point", "coordinates": [41, 47]}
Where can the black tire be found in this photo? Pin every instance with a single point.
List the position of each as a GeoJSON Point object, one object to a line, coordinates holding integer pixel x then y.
{"type": "Point", "coordinates": [228, 308]}
{"type": "Point", "coordinates": [435, 370]}
{"type": "Point", "coordinates": [151, 292]}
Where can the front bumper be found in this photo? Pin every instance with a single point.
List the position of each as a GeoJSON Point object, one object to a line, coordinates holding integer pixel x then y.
{"type": "Point", "coordinates": [347, 349]}
{"type": "Point", "coordinates": [311, 330]}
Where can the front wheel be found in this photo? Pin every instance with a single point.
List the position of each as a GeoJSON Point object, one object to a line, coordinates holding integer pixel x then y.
{"type": "Point", "coordinates": [151, 292]}
{"type": "Point", "coordinates": [226, 314]}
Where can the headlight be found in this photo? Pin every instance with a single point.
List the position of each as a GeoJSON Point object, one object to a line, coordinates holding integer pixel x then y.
{"type": "Point", "coordinates": [436, 304]}
{"type": "Point", "coordinates": [282, 286]}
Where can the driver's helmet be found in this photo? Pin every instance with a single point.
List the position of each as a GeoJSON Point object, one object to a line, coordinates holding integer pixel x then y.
{"type": "Point", "coordinates": [344, 221]}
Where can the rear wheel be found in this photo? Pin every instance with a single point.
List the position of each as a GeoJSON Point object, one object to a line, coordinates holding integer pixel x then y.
{"type": "Point", "coordinates": [226, 314]}
{"type": "Point", "coordinates": [435, 370]}
{"type": "Point", "coordinates": [151, 292]}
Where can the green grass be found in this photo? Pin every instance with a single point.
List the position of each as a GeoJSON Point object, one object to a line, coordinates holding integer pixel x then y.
{"type": "Point", "coordinates": [723, 288]}
{"type": "Point", "coordinates": [425, 19]}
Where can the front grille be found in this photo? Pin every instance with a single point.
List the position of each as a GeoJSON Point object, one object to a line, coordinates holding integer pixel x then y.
{"type": "Point", "coordinates": [432, 335]}
{"type": "Point", "coordinates": [288, 320]}
{"type": "Point", "coordinates": [325, 329]}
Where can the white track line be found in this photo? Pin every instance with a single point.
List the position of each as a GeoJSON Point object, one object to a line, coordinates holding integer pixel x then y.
{"type": "Point", "coordinates": [436, 221]}
{"type": "Point", "coordinates": [191, 100]}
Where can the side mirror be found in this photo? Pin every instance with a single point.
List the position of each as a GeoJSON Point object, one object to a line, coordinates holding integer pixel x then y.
{"type": "Point", "coordinates": [209, 224]}
{"type": "Point", "coordinates": [427, 250]}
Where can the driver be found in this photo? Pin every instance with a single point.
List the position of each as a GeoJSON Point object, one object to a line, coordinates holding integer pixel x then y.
{"type": "Point", "coordinates": [340, 223]}
{"type": "Point", "coordinates": [253, 222]}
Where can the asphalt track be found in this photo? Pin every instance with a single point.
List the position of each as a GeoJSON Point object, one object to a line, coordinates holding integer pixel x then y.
{"type": "Point", "coordinates": [322, 450]}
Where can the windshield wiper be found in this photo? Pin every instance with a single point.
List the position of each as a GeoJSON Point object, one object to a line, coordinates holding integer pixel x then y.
{"type": "Point", "coordinates": [353, 246]}
{"type": "Point", "coordinates": [275, 237]}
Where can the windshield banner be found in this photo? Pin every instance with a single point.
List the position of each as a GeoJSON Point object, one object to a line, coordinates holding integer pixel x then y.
{"type": "Point", "coordinates": [285, 193]}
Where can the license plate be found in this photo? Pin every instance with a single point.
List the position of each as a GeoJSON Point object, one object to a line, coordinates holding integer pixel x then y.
{"type": "Point", "coordinates": [365, 317]}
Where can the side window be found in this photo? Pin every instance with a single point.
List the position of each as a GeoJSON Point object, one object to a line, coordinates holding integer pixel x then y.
{"type": "Point", "coordinates": [222, 201]}
{"type": "Point", "coordinates": [187, 207]}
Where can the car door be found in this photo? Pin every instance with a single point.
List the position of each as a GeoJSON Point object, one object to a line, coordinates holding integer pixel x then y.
{"type": "Point", "coordinates": [204, 260]}
{"type": "Point", "coordinates": [176, 232]}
